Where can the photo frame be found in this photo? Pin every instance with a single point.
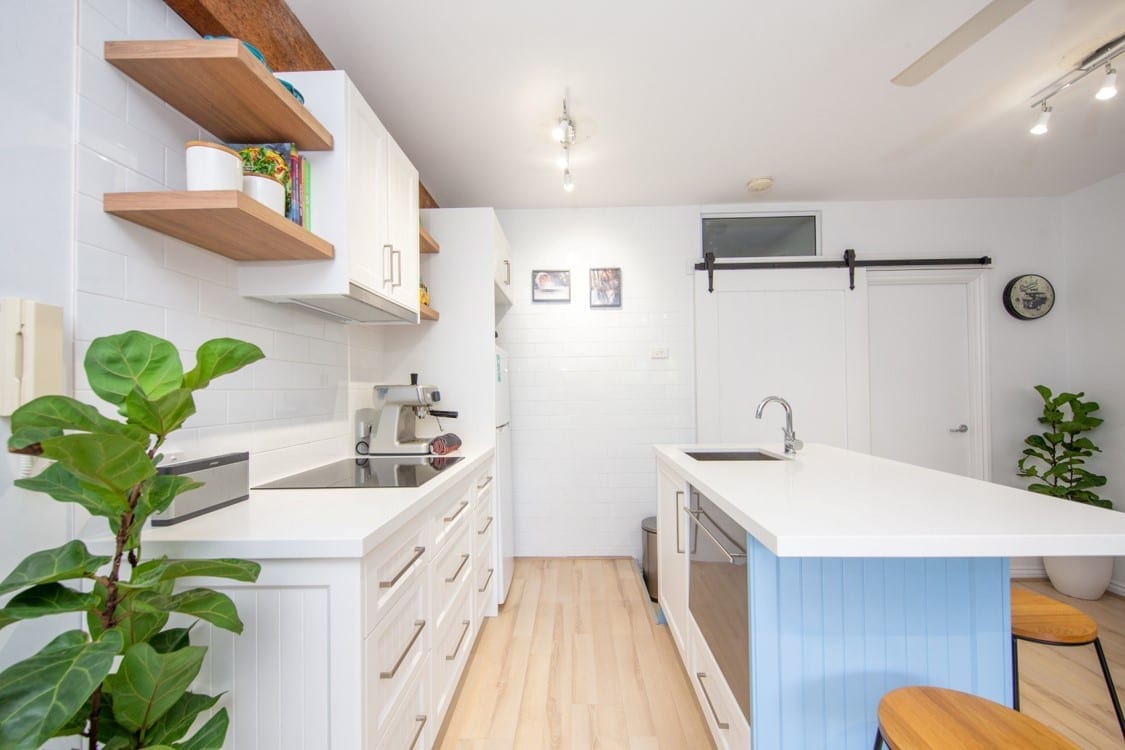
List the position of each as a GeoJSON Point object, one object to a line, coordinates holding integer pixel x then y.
{"type": "Point", "coordinates": [605, 287]}
{"type": "Point", "coordinates": [550, 286]}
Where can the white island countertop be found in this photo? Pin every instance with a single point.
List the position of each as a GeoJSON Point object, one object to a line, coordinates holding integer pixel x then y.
{"type": "Point", "coordinates": [305, 523]}
{"type": "Point", "coordinates": [830, 502]}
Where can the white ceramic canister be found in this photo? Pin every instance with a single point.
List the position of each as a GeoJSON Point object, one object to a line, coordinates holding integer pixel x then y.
{"type": "Point", "coordinates": [265, 189]}
{"type": "Point", "coordinates": [212, 166]}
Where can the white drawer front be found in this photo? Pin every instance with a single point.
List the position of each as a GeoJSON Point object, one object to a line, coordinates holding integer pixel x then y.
{"type": "Point", "coordinates": [393, 653]}
{"type": "Point", "coordinates": [483, 487]}
{"type": "Point", "coordinates": [393, 566]}
{"type": "Point", "coordinates": [452, 644]}
{"type": "Point", "coordinates": [724, 718]}
{"type": "Point", "coordinates": [451, 514]}
{"type": "Point", "coordinates": [483, 523]}
{"type": "Point", "coordinates": [484, 588]}
{"type": "Point", "coordinates": [452, 570]}
{"type": "Point", "coordinates": [410, 725]}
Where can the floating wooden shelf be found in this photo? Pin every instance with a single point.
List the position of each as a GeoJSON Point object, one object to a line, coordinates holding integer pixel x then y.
{"type": "Point", "coordinates": [223, 88]}
{"type": "Point", "coordinates": [428, 313]}
{"type": "Point", "coordinates": [227, 222]}
{"type": "Point", "coordinates": [426, 243]}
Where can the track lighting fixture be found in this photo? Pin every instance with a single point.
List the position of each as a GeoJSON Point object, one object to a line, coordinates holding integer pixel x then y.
{"type": "Point", "coordinates": [563, 159]}
{"type": "Point", "coordinates": [568, 182]}
{"type": "Point", "coordinates": [1102, 56]}
{"type": "Point", "coordinates": [564, 132]}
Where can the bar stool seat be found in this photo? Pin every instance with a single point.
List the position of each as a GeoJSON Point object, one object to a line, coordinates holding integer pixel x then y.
{"type": "Point", "coordinates": [1041, 619]}
{"type": "Point", "coordinates": [932, 718]}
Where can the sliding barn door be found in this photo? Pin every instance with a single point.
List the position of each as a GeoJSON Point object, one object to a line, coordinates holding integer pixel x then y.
{"type": "Point", "coordinates": [799, 334]}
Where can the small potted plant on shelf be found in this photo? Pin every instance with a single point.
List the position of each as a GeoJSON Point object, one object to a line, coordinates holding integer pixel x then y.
{"type": "Point", "coordinates": [122, 681]}
{"type": "Point", "coordinates": [1055, 460]}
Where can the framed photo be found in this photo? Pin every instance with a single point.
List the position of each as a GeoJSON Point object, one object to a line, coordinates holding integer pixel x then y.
{"type": "Point", "coordinates": [605, 287]}
{"type": "Point", "coordinates": [550, 286]}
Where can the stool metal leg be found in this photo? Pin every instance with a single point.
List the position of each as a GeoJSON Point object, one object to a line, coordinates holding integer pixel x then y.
{"type": "Point", "coordinates": [878, 739]}
{"type": "Point", "coordinates": [1015, 676]}
{"type": "Point", "coordinates": [1109, 684]}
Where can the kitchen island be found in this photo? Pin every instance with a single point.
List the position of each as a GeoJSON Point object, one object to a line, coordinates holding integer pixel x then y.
{"type": "Point", "coordinates": [863, 574]}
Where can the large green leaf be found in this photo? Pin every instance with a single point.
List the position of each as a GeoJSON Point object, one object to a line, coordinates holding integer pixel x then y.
{"type": "Point", "coordinates": [159, 416]}
{"type": "Point", "coordinates": [67, 413]}
{"type": "Point", "coordinates": [27, 439]}
{"type": "Point", "coordinates": [215, 608]}
{"type": "Point", "coordinates": [235, 570]}
{"type": "Point", "coordinates": [220, 357]}
{"type": "Point", "coordinates": [211, 735]}
{"type": "Point", "coordinates": [172, 639]}
{"type": "Point", "coordinates": [177, 720]}
{"type": "Point", "coordinates": [148, 683]}
{"type": "Point", "coordinates": [108, 461]}
{"type": "Point", "coordinates": [115, 365]}
{"type": "Point", "coordinates": [71, 560]}
{"type": "Point", "coordinates": [41, 694]}
{"type": "Point", "coordinates": [159, 492]}
{"type": "Point", "coordinates": [137, 620]}
{"type": "Point", "coordinates": [60, 483]}
{"type": "Point", "coordinates": [46, 599]}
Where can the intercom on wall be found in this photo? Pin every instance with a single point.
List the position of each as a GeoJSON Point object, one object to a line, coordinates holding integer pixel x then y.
{"type": "Point", "coordinates": [31, 352]}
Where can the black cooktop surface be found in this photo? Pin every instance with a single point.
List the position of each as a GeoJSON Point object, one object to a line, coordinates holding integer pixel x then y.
{"type": "Point", "coordinates": [367, 472]}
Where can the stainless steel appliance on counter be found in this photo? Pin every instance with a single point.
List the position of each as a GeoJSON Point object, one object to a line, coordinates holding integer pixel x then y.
{"type": "Point", "coordinates": [367, 472]}
{"type": "Point", "coordinates": [391, 426]}
{"type": "Point", "coordinates": [717, 592]}
{"type": "Point", "coordinates": [225, 480]}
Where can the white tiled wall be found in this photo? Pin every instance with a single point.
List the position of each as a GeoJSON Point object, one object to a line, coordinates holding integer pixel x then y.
{"type": "Point", "coordinates": [588, 399]}
{"type": "Point", "coordinates": [290, 409]}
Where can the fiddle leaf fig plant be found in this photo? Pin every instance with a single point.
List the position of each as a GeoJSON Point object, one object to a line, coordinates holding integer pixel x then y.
{"type": "Point", "coordinates": [122, 683]}
{"type": "Point", "coordinates": [1056, 458]}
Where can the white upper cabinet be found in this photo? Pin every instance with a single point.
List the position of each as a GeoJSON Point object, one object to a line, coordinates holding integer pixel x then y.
{"type": "Point", "coordinates": [364, 200]}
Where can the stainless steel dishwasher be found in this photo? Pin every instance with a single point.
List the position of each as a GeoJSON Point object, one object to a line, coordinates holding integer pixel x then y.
{"type": "Point", "coordinates": [717, 594]}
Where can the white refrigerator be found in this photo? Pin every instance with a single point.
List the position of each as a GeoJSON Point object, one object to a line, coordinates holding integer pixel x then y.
{"type": "Point", "coordinates": [505, 531]}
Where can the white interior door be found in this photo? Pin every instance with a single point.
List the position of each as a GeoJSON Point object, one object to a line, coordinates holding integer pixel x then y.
{"type": "Point", "coordinates": [799, 334]}
{"type": "Point", "coordinates": [927, 369]}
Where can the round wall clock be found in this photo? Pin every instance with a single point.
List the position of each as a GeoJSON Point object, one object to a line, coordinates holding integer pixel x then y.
{"type": "Point", "coordinates": [1029, 297]}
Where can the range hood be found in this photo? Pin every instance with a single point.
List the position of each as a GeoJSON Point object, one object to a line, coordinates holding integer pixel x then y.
{"type": "Point", "coordinates": [358, 306]}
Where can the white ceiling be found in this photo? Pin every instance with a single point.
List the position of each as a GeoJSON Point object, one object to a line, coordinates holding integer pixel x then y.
{"type": "Point", "coordinates": [682, 103]}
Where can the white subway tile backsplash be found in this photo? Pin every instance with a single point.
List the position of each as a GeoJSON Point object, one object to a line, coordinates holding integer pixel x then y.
{"type": "Point", "coordinates": [114, 10]}
{"type": "Point", "coordinates": [95, 28]}
{"type": "Point", "coordinates": [97, 174]}
{"type": "Point", "coordinates": [149, 114]}
{"type": "Point", "coordinates": [100, 271]}
{"type": "Point", "coordinates": [224, 302]}
{"type": "Point", "coordinates": [289, 347]}
{"type": "Point", "coordinates": [262, 337]}
{"type": "Point", "coordinates": [210, 408]}
{"type": "Point", "coordinates": [200, 263]}
{"type": "Point", "coordinates": [103, 316]}
{"type": "Point", "coordinates": [187, 330]}
{"type": "Point", "coordinates": [100, 82]}
{"type": "Point", "coordinates": [157, 285]}
{"type": "Point", "coordinates": [251, 406]}
{"type": "Point", "coordinates": [110, 135]}
{"type": "Point", "coordinates": [175, 165]}
{"type": "Point", "coordinates": [147, 20]}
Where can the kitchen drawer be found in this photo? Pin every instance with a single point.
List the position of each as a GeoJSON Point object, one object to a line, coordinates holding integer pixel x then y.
{"type": "Point", "coordinates": [452, 644]}
{"type": "Point", "coordinates": [451, 513]}
{"type": "Point", "coordinates": [483, 487]}
{"type": "Point", "coordinates": [393, 653]}
{"type": "Point", "coordinates": [410, 726]}
{"type": "Point", "coordinates": [484, 521]}
{"type": "Point", "coordinates": [724, 718]}
{"type": "Point", "coordinates": [484, 586]}
{"type": "Point", "coordinates": [452, 571]}
{"type": "Point", "coordinates": [394, 566]}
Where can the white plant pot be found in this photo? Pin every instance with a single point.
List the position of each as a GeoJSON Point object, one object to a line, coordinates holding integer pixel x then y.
{"type": "Point", "coordinates": [265, 189]}
{"type": "Point", "coordinates": [1080, 577]}
{"type": "Point", "coordinates": [212, 166]}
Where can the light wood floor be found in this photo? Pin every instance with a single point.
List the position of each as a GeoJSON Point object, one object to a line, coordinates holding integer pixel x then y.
{"type": "Point", "coordinates": [575, 661]}
{"type": "Point", "coordinates": [1063, 687]}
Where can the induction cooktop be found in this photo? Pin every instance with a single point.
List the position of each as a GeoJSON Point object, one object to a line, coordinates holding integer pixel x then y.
{"type": "Point", "coordinates": [367, 472]}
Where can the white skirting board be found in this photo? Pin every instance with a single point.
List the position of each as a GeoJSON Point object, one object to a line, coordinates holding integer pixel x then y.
{"type": "Point", "coordinates": [1032, 567]}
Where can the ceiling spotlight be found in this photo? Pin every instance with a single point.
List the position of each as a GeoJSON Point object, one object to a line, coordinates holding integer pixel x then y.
{"type": "Point", "coordinates": [563, 132]}
{"type": "Point", "coordinates": [1109, 87]}
{"type": "Point", "coordinates": [568, 182]}
{"type": "Point", "coordinates": [562, 161]}
{"type": "Point", "coordinates": [759, 184]}
{"type": "Point", "coordinates": [1040, 126]}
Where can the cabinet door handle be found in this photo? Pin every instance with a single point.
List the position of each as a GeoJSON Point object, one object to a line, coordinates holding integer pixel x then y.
{"type": "Point", "coordinates": [460, 509]}
{"type": "Point", "coordinates": [388, 264]}
{"type": "Point", "coordinates": [465, 632]}
{"type": "Point", "coordinates": [486, 580]}
{"type": "Point", "coordinates": [451, 579]}
{"type": "Point", "coordinates": [396, 254]}
{"type": "Point", "coordinates": [485, 482]}
{"type": "Point", "coordinates": [699, 678]}
{"type": "Point", "coordinates": [418, 551]}
{"type": "Point", "coordinates": [421, 719]}
{"type": "Point", "coordinates": [481, 530]}
{"type": "Point", "coordinates": [419, 626]}
{"type": "Point", "coordinates": [508, 272]}
{"type": "Point", "coordinates": [679, 549]}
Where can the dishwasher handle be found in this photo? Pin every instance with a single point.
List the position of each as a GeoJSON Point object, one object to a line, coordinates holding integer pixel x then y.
{"type": "Point", "coordinates": [731, 556]}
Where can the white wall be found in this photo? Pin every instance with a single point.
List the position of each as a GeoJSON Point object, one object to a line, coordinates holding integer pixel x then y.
{"type": "Point", "coordinates": [588, 401]}
{"type": "Point", "coordinates": [1093, 228]}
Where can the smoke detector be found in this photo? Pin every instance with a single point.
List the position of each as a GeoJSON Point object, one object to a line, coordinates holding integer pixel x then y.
{"type": "Point", "coordinates": [759, 184]}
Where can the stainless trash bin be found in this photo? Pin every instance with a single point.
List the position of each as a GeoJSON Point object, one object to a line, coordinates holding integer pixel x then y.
{"type": "Point", "coordinates": [648, 555]}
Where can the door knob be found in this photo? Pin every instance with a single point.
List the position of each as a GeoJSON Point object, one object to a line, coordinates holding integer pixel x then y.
{"type": "Point", "coordinates": [960, 428]}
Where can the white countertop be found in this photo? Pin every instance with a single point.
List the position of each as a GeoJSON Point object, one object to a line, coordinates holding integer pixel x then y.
{"type": "Point", "coordinates": [829, 502]}
{"type": "Point", "coordinates": [314, 523]}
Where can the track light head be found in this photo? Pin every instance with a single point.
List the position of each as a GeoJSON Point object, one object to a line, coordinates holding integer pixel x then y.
{"type": "Point", "coordinates": [568, 182]}
{"type": "Point", "coordinates": [1109, 86]}
{"type": "Point", "coordinates": [1040, 126]}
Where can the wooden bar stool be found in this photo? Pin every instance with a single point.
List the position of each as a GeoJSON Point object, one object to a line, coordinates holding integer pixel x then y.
{"type": "Point", "coordinates": [931, 718]}
{"type": "Point", "coordinates": [1041, 619]}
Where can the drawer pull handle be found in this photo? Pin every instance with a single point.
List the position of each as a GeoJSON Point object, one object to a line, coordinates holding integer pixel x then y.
{"type": "Point", "coordinates": [484, 528]}
{"type": "Point", "coordinates": [464, 632]}
{"type": "Point", "coordinates": [699, 678]}
{"type": "Point", "coordinates": [460, 509]}
{"type": "Point", "coordinates": [421, 719]}
{"type": "Point", "coordinates": [508, 272]}
{"type": "Point", "coordinates": [694, 515]}
{"type": "Point", "coordinates": [418, 552]}
{"type": "Point", "coordinates": [679, 550]}
{"type": "Point", "coordinates": [451, 579]}
{"type": "Point", "coordinates": [419, 626]}
{"type": "Point", "coordinates": [486, 580]}
{"type": "Point", "coordinates": [485, 482]}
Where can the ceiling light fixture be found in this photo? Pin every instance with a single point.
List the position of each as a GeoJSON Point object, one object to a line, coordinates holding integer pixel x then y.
{"type": "Point", "coordinates": [563, 159]}
{"type": "Point", "coordinates": [564, 132]}
{"type": "Point", "coordinates": [759, 184]}
{"type": "Point", "coordinates": [568, 182]}
{"type": "Point", "coordinates": [1109, 87]}
{"type": "Point", "coordinates": [1103, 55]}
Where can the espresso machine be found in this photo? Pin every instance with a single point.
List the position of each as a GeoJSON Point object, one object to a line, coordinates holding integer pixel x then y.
{"type": "Point", "coordinates": [391, 427]}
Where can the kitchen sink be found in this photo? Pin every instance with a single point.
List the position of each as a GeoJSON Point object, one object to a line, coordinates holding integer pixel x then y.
{"type": "Point", "coordinates": [731, 456]}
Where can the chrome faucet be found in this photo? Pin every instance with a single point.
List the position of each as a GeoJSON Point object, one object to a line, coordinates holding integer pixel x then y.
{"type": "Point", "coordinates": [792, 444]}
